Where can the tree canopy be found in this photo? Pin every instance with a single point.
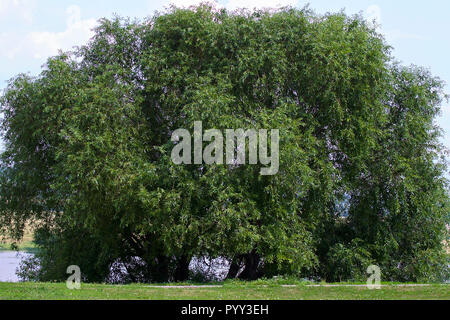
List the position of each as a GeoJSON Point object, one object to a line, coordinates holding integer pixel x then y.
{"type": "Point", "coordinates": [361, 177]}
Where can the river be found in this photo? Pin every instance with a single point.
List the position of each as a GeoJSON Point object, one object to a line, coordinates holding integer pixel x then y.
{"type": "Point", "coordinates": [9, 261]}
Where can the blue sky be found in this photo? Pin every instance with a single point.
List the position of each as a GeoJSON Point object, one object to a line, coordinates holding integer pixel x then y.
{"type": "Point", "coordinates": [32, 30]}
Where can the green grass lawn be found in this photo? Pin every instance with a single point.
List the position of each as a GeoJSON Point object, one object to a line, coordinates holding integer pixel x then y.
{"type": "Point", "coordinates": [229, 291]}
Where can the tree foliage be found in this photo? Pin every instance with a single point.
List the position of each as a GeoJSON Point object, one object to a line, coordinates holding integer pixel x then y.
{"type": "Point", "coordinates": [88, 146]}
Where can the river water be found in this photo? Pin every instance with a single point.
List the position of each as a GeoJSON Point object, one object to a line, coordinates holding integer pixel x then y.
{"type": "Point", "coordinates": [9, 262]}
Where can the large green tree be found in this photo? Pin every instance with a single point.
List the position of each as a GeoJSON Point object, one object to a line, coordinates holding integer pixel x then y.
{"type": "Point", "coordinates": [88, 146]}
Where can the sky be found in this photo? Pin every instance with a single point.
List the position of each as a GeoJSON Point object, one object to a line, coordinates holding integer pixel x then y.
{"type": "Point", "coordinates": [33, 30]}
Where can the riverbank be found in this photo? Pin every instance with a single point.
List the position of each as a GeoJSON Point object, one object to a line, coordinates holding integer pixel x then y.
{"type": "Point", "coordinates": [26, 245]}
{"type": "Point", "coordinates": [225, 291]}
{"type": "Point", "coordinates": [12, 253]}
{"type": "Point", "coordinates": [9, 262]}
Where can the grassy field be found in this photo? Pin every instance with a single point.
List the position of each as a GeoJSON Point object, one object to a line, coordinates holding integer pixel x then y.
{"type": "Point", "coordinates": [228, 291]}
{"type": "Point", "coordinates": [25, 245]}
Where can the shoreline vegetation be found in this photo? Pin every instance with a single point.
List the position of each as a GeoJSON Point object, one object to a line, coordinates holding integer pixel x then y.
{"type": "Point", "coordinates": [228, 290]}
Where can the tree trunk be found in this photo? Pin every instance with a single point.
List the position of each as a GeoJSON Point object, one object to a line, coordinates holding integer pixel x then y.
{"type": "Point", "coordinates": [252, 261]}
{"type": "Point", "coordinates": [182, 269]}
{"type": "Point", "coordinates": [235, 266]}
{"type": "Point", "coordinates": [160, 271]}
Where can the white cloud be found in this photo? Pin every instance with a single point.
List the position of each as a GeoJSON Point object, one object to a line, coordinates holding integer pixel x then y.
{"type": "Point", "coordinates": [21, 9]}
{"type": "Point", "coordinates": [8, 43]}
{"type": "Point", "coordinates": [43, 44]}
{"type": "Point", "coordinates": [78, 32]}
{"type": "Point", "coordinates": [373, 15]}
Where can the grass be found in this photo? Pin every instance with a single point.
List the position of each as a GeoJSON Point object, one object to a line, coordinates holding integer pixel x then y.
{"type": "Point", "coordinates": [229, 291]}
